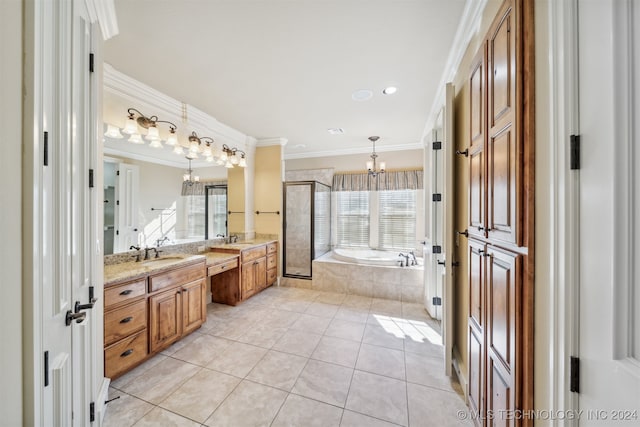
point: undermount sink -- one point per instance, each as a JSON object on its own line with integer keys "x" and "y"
{"x": 162, "y": 259}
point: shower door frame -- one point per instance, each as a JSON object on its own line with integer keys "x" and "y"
{"x": 312, "y": 211}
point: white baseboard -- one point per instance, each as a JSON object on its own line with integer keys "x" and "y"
{"x": 461, "y": 378}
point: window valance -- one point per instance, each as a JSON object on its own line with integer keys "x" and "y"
{"x": 398, "y": 180}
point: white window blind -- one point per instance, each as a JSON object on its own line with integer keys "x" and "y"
{"x": 397, "y": 219}
{"x": 194, "y": 207}
{"x": 322, "y": 225}
{"x": 352, "y": 222}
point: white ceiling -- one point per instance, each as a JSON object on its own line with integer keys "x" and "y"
{"x": 287, "y": 69}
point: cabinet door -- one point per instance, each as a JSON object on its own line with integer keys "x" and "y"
{"x": 503, "y": 296}
{"x": 261, "y": 273}
{"x": 476, "y": 283}
{"x": 477, "y": 162}
{"x": 193, "y": 305}
{"x": 502, "y": 149}
{"x": 476, "y": 325}
{"x": 165, "y": 319}
{"x": 248, "y": 275}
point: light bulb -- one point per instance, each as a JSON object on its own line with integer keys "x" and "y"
{"x": 370, "y": 165}
{"x": 135, "y": 138}
{"x": 130, "y": 127}
{"x": 382, "y": 166}
{"x": 228, "y": 165}
{"x": 178, "y": 150}
{"x": 113, "y": 132}
{"x": 173, "y": 138}
{"x": 223, "y": 156}
{"x": 186, "y": 177}
{"x": 234, "y": 159}
{"x": 209, "y": 159}
{"x": 191, "y": 155}
{"x": 207, "y": 152}
{"x": 243, "y": 162}
{"x": 155, "y": 144}
{"x": 152, "y": 134}
{"x": 196, "y": 178}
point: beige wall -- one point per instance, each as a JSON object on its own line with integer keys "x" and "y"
{"x": 461, "y": 177}
{"x": 407, "y": 159}
{"x": 11, "y": 212}
{"x": 235, "y": 200}
{"x": 268, "y": 189}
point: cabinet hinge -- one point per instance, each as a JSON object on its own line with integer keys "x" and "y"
{"x": 436, "y": 301}
{"x": 437, "y": 145}
{"x": 91, "y": 62}
{"x": 90, "y": 178}
{"x": 436, "y": 249}
{"x": 46, "y": 368}
{"x": 437, "y": 197}
{"x": 574, "y": 156}
{"x": 46, "y": 148}
{"x": 574, "y": 375}
{"x": 92, "y": 412}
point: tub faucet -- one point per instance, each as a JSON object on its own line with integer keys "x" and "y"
{"x": 414, "y": 261}
{"x": 406, "y": 262}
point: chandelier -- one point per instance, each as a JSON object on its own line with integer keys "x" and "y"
{"x": 136, "y": 119}
{"x": 371, "y": 164}
{"x": 189, "y": 178}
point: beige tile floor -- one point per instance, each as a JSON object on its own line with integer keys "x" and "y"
{"x": 295, "y": 357}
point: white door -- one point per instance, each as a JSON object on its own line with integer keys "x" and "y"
{"x": 609, "y": 283}
{"x": 127, "y": 190}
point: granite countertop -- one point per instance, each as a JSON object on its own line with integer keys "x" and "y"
{"x": 214, "y": 258}
{"x": 240, "y": 246}
{"x": 131, "y": 270}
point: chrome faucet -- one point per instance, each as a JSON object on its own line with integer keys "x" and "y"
{"x": 406, "y": 262}
{"x": 414, "y": 261}
{"x": 160, "y": 241}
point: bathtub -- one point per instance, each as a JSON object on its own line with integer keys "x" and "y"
{"x": 368, "y": 273}
{"x": 367, "y": 256}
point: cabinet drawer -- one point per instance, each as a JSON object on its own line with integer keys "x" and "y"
{"x": 272, "y": 261}
{"x": 254, "y": 253}
{"x": 272, "y": 275}
{"x": 272, "y": 248}
{"x": 176, "y": 277}
{"x": 125, "y": 320}
{"x": 219, "y": 268}
{"x": 122, "y": 293}
{"x": 119, "y": 357}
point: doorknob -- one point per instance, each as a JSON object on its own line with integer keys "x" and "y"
{"x": 465, "y": 233}
{"x": 71, "y": 316}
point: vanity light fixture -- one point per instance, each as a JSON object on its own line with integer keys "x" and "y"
{"x": 189, "y": 177}
{"x": 136, "y": 118}
{"x": 371, "y": 164}
{"x": 113, "y": 132}
{"x": 206, "y": 146}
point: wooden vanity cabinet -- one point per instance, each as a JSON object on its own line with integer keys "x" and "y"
{"x": 125, "y": 326}
{"x": 178, "y": 308}
{"x": 145, "y": 315}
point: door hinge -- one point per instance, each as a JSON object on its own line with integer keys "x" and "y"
{"x": 46, "y": 148}
{"x": 117, "y": 173}
{"x": 437, "y": 197}
{"x": 90, "y": 178}
{"x": 436, "y": 301}
{"x": 117, "y": 232}
{"x": 437, "y": 145}
{"x": 117, "y": 202}
{"x": 574, "y": 155}
{"x": 91, "y": 62}
{"x": 436, "y": 249}
{"x": 46, "y": 368}
{"x": 574, "y": 375}
{"x": 92, "y": 412}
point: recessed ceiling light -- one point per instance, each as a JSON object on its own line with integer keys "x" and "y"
{"x": 362, "y": 95}
{"x": 390, "y": 90}
{"x": 300, "y": 146}
{"x": 335, "y": 131}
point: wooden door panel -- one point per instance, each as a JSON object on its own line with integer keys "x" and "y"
{"x": 476, "y": 193}
{"x": 165, "y": 319}
{"x": 476, "y": 109}
{"x": 500, "y": 74}
{"x": 476, "y": 282}
{"x": 248, "y": 279}
{"x": 503, "y": 291}
{"x": 500, "y": 397}
{"x": 476, "y": 382}
{"x": 193, "y": 305}
{"x": 261, "y": 273}
{"x": 502, "y": 183}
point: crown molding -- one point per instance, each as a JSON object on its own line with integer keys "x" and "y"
{"x": 266, "y": 142}
{"x": 104, "y": 12}
{"x": 467, "y": 27}
{"x": 138, "y": 93}
{"x": 358, "y": 150}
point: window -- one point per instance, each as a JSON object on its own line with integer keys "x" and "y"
{"x": 397, "y": 219}
{"x": 217, "y": 221}
{"x": 352, "y": 222}
{"x": 377, "y": 219}
{"x": 194, "y": 206}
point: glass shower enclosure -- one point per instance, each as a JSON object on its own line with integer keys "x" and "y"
{"x": 307, "y": 226}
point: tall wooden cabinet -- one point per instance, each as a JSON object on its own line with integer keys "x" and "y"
{"x": 500, "y": 210}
